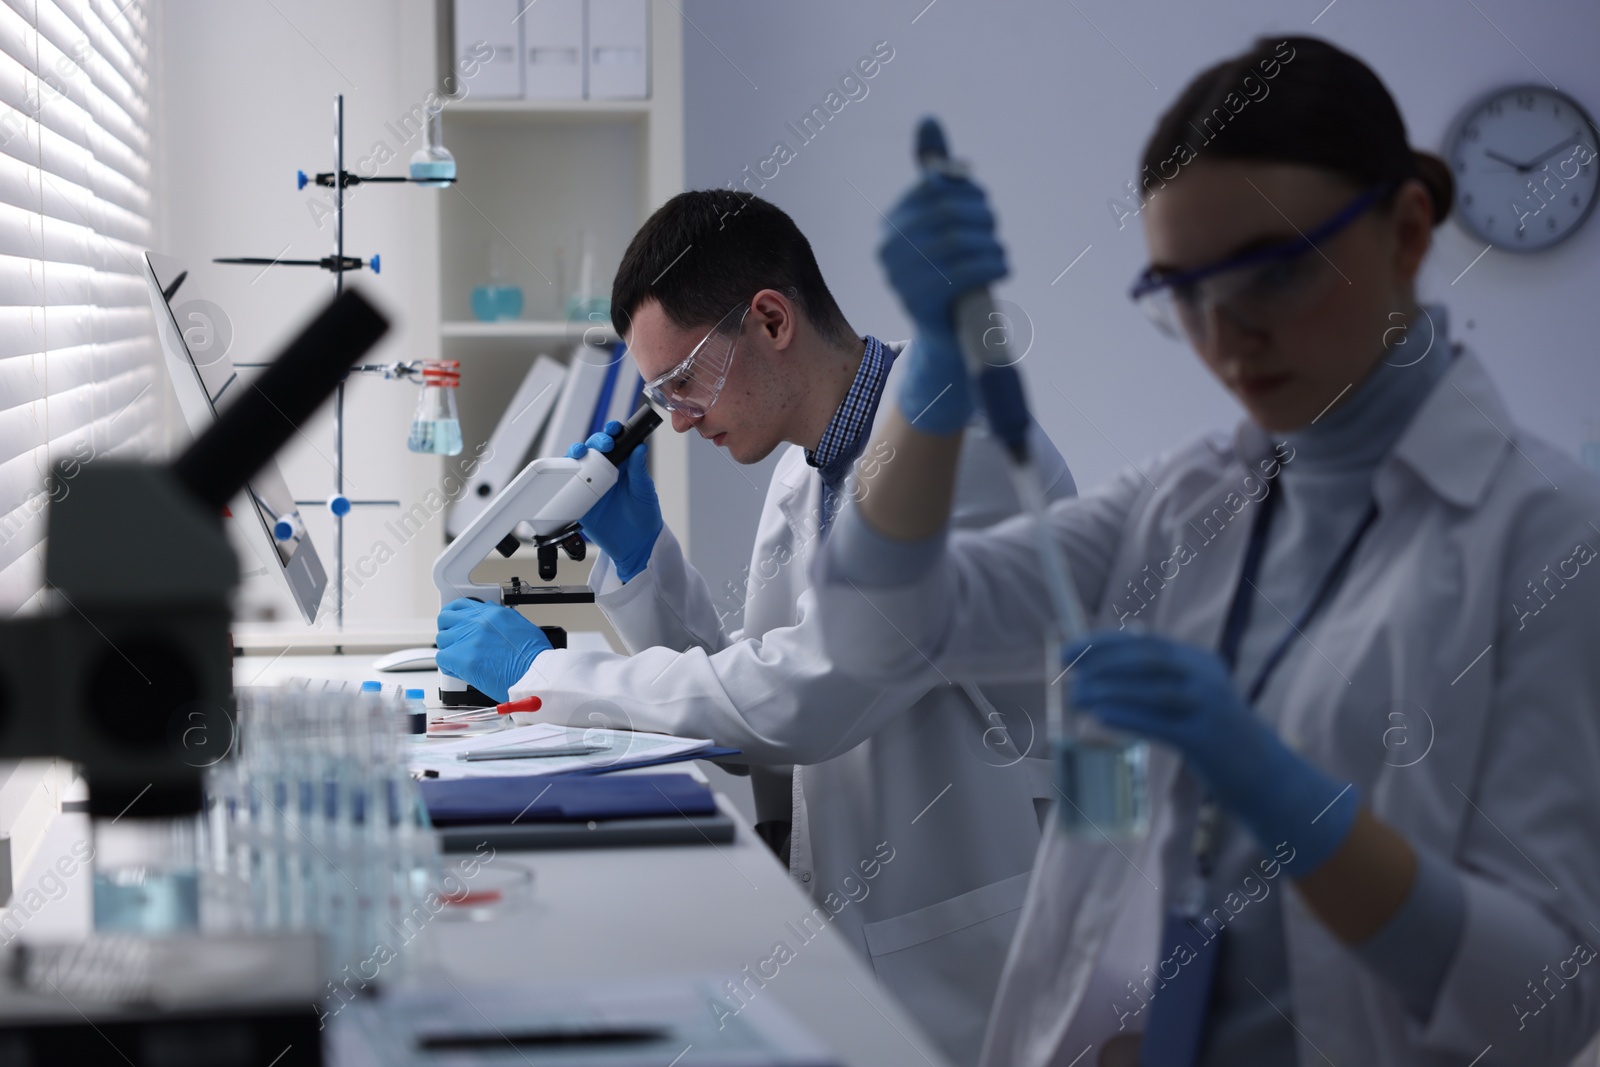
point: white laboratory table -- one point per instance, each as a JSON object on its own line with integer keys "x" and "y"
{"x": 611, "y": 914}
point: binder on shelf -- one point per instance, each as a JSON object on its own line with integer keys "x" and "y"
{"x": 618, "y": 52}
{"x": 614, "y": 392}
{"x": 489, "y": 37}
{"x": 580, "y": 395}
{"x": 552, "y": 50}
{"x": 513, "y": 438}
{"x": 627, "y": 392}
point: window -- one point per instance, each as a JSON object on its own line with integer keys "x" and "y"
{"x": 80, "y": 376}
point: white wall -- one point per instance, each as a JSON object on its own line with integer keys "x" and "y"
{"x": 245, "y": 99}
{"x": 1052, "y": 104}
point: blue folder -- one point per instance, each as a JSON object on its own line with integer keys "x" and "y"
{"x": 574, "y": 811}
{"x": 564, "y": 798}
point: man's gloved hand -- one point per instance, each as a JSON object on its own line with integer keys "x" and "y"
{"x": 939, "y": 243}
{"x": 627, "y": 520}
{"x": 489, "y": 645}
{"x": 1183, "y": 696}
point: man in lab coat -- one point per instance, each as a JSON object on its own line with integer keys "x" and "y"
{"x": 915, "y": 810}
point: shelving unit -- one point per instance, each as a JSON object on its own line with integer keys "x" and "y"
{"x": 582, "y": 108}
{"x": 532, "y": 175}
{"x": 522, "y": 329}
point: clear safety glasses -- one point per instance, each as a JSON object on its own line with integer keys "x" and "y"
{"x": 693, "y": 385}
{"x": 1258, "y": 290}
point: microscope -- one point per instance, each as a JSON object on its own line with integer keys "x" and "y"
{"x": 550, "y": 496}
{"x": 130, "y": 665}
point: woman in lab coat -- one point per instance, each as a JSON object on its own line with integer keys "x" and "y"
{"x": 1361, "y": 627}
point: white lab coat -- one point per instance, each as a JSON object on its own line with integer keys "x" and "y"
{"x": 948, "y": 781}
{"x": 1436, "y": 621}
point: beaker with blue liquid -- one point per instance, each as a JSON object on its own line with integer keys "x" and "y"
{"x": 1101, "y": 775}
{"x": 500, "y": 300}
{"x": 147, "y": 874}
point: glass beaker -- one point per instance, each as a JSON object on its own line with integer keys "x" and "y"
{"x": 436, "y": 427}
{"x": 147, "y": 874}
{"x": 1101, "y": 775}
{"x": 582, "y": 305}
{"x": 432, "y": 165}
{"x": 500, "y": 299}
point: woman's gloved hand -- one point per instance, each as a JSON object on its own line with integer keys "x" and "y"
{"x": 627, "y": 520}
{"x": 939, "y": 243}
{"x": 1183, "y": 696}
{"x": 488, "y": 645}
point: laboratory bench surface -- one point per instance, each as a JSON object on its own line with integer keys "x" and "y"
{"x": 610, "y": 915}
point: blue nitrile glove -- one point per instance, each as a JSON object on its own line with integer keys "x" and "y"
{"x": 1183, "y": 696}
{"x": 627, "y": 520}
{"x": 939, "y": 243}
{"x": 489, "y": 645}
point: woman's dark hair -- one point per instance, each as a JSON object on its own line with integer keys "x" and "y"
{"x": 705, "y": 250}
{"x": 1294, "y": 100}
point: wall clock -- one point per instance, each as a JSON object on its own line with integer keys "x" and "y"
{"x": 1526, "y": 161}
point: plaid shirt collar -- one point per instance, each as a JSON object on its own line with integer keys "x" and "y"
{"x": 845, "y": 436}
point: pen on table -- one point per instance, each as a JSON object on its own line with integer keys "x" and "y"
{"x": 512, "y": 752}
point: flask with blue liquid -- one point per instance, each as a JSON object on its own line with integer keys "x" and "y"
{"x": 432, "y": 165}
{"x": 436, "y": 427}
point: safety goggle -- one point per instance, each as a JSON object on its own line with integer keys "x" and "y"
{"x": 693, "y": 385}
{"x": 1258, "y": 290}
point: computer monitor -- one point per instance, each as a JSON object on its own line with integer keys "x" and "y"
{"x": 203, "y": 382}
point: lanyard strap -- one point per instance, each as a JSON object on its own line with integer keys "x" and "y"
{"x": 1238, "y": 621}
{"x": 1243, "y": 595}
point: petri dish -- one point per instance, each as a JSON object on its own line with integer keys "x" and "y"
{"x": 495, "y": 890}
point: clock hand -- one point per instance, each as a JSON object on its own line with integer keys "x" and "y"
{"x": 1570, "y": 139}
{"x": 1492, "y": 154}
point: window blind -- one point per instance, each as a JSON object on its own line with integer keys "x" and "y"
{"x": 79, "y": 367}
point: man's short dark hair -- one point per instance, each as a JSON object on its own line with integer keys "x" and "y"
{"x": 704, "y": 251}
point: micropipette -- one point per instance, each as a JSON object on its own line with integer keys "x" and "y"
{"x": 1004, "y": 402}
{"x": 1104, "y": 781}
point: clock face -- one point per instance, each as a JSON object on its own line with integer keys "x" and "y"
{"x": 1526, "y": 161}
